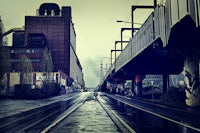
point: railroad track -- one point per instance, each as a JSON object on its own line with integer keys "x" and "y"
{"x": 49, "y": 117}
{"x": 172, "y": 119}
{"x": 121, "y": 125}
{"x": 124, "y": 127}
{"x": 35, "y": 119}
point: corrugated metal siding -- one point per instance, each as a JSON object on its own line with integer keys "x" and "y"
{"x": 159, "y": 23}
{"x": 181, "y": 8}
{"x": 198, "y": 12}
{"x": 124, "y": 57}
{"x": 174, "y": 11}
{"x": 72, "y": 36}
{"x": 165, "y": 17}
{"x": 192, "y": 9}
{"x": 141, "y": 40}
{"x": 75, "y": 71}
{"x": 143, "y": 37}
{"x": 168, "y": 19}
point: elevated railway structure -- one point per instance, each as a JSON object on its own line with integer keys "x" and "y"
{"x": 168, "y": 42}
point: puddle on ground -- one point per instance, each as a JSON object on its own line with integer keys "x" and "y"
{"x": 89, "y": 118}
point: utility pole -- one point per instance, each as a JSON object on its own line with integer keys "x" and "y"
{"x": 101, "y": 72}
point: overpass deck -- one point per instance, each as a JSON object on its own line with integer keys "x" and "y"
{"x": 154, "y": 48}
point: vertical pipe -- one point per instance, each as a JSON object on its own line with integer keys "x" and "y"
{"x": 8, "y": 83}
{"x": 111, "y": 57}
{"x": 138, "y": 85}
{"x": 198, "y": 11}
{"x": 34, "y": 78}
{"x": 165, "y": 83}
{"x": 121, "y": 38}
{"x": 132, "y": 22}
{"x": 155, "y": 3}
{"x": 115, "y": 51}
{"x": 133, "y": 86}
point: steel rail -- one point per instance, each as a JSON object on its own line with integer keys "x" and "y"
{"x": 111, "y": 114}
{"x": 153, "y": 112}
{"x": 66, "y": 114}
{"x": 26, "y": 120}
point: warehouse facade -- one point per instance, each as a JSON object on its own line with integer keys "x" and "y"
{"x": 50, "y": 32}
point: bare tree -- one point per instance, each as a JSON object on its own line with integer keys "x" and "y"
{"x": 47, "y": 63}
{"x": 4, "y": 56}
{"x": 26, "y": 70}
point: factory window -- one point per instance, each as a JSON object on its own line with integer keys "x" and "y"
{"x": 22, "y": 60}
{"x": 12, "y": 51}
{"x": 16, "y": 51}
{"x": 35, "y": 51}
{"x": 35, "y": 60}
{"x": 28, "y": 51}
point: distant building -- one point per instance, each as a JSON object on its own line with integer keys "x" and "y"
{"x": 50, "y": 32}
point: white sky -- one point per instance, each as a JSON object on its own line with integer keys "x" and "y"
{"x": 95, "y": 25}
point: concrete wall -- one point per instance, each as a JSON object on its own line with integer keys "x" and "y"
{"x": 38, "y": 78}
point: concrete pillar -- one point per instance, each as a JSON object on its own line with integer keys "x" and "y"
{"x": 21, "y": 78}
{"x": 109, "y": 87}
{"x": 191, "y": 73}
{"x": 165, "y": 83}
{"x": 133, "y": 86}
{"x": 138, "y": 85}
{"x": 122, "y": 89}
{"x": 34, "y": 78}
{"x": 8, "y": 83}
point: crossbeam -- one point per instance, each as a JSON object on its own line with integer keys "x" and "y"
{"x": 13, "y": 30}
{"x": 113, "y": 50}
{"x": 142, "y": 7}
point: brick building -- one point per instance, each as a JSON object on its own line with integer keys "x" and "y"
{"x": 52, "y": 29}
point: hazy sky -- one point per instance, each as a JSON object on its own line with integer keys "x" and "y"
{"x": 95, "y": 25}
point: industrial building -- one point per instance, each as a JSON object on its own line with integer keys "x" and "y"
{"x": 48, "y": 36}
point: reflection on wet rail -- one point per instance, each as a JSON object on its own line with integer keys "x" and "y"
{"x": 69, "y": 111}
{"x": 107, "y": 113}
{"x": 151, "y": 117}
{"x": 120, "y": 123}
{"x": 89, "y": 116}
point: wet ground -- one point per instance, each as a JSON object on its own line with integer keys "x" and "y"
{"x": 10, "y": 107}
{"x": 90, "y": 117}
